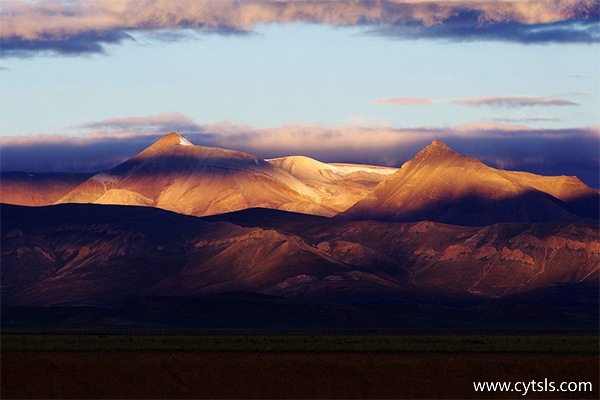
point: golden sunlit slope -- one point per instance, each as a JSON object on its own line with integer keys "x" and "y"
{"x": 340, "y": 185}
{"x": 175, "y": 175}
{"x": 579, "y": 198}
{"x": 37, "y": 189}
{"x": 441, "y": 185}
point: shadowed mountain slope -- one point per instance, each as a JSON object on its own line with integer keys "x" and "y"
{"x": 495, "y": 260}
{"x": 441, "y": 185}
{"x": 578, "y": 198}
{"x": 92, "y": 254}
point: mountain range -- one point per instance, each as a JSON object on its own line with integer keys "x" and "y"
{"x": 174, "y": 175}
{"x": 438, "y": 184}
{"x": 178, "y": 229}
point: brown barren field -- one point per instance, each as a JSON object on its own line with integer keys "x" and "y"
{"x": 285, "y": 375}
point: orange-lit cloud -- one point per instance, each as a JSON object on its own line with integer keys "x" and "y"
{"x": 86, "y": 26}
{"x": 405, "y": 101}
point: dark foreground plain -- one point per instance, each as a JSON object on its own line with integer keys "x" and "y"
{"x": 584, "y": 343}
{"x": 297, "y": 366}
{"x": 285, "y": 375}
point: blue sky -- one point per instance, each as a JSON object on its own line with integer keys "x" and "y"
{"x": 282, "y": 69}
{"x": 299, "y": 74}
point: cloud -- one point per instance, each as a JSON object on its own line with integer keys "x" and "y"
{"x": 405, "y": 101}
{"x": 155, "y": 123}
{"x": 591, "y": 77}
{"x": 491, "y": 101}
{"x": 514, "y": 101}
{"x": 84, "y": 27}
{"x": 537, "y": 118}
{"x": 80, "y": 43}
{"x": 104, "y": 144}
{"x": 468, "y": 30}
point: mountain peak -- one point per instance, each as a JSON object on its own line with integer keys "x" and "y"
{"x": 171, "y": 139}
{"x": 436, "y": 150}
{"x": 439, "y": 144}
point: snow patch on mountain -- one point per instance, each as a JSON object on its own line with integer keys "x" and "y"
{"x": 184, "y": 142}
{"x": 347, "y": 169}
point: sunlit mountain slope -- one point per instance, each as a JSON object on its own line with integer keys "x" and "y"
{"x": 441, "y": 185}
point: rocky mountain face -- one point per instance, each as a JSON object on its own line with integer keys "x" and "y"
{"x": 91, "y": 254}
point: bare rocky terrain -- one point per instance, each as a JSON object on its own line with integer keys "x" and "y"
{"x": 107, "y": 256}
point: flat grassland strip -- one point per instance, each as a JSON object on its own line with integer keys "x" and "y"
{"x": 300, "y": 343}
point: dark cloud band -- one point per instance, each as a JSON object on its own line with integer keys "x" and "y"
{"x": 561, "y": 32}
{"x": 491, "y": 101}
{"x": 85, "y": 27}
{"x": 79, "y": 44}
{"x": 567, "y": 151}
